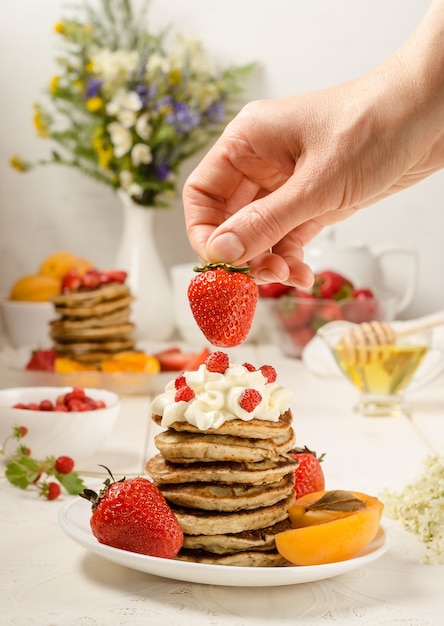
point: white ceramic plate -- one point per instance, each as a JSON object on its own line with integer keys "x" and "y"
{"x": 74, "y": 521}
{"x": 122, "y": 383}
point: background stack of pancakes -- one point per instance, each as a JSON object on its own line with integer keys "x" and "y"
{"x": 230, "y": 488}
{"x": 93, "y": 324}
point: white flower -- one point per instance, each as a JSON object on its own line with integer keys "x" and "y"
{"x": 126, "y": 178}
{"x": 157, "y": 63}
{"x": 143, "y": 127}
{"x": 141, "y": 153}
{"x": 124, "y": 106}
{"x": 420, "y": 508}
{"x": 114, "y": 65}
{"x": 120, "y": 137}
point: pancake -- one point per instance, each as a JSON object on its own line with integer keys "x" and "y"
{"x": 261, "y": 539}
{"x": 80, "y": 310}
{"x": 113, "y": 331}
{"x": 228, "y": 498}
{"x": 200, "y": 522}
{"x": 189, "y": 448}
{"x": 73, "y": 323}
{"x": 248, "y": 558}
{"x": 252, "y": 429}
{"x": 91, "y": 297}
{"x": 164, "y": 472}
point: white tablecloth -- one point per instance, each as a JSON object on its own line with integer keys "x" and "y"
{"x": 46, "y": 579}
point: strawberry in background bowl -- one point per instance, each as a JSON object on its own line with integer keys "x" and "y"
{"x": 296, "y": 315}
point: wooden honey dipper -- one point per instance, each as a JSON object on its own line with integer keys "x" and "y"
{"x": 378, "y": 336}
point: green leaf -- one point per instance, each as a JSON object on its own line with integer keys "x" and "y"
{"x": 22, "y": 471}
{"x": 71, "y": 482}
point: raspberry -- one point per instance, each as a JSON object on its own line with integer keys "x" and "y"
{"x": 249, "y": 399}
{"x": 185, "y": 394}
{"x": 217, "y": 362}
{"x": 64, "y": 464}
{"x": 269, "y": 373}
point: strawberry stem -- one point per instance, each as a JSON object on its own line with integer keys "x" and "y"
{"x": 226, "y": 266}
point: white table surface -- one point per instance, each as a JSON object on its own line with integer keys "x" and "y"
{"x": 46, "y": 579}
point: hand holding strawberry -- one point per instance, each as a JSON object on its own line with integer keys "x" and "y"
{"x": 132, "y": 514}
{"x": 223, "y": 301}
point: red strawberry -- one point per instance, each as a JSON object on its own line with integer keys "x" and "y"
{"x": 42, "y": 360}
{"x": 184, "y": 393}
{"x": 308, "y": 474}
{"x": 273, "y": 290}
{"x": 72, "y": 281}
{"x": 223, "y": 301}
{"x": 132, "y": 514}
{"x": 174, "y": 360}
{"x": 64, "y": 464}
{"x": 50, "y": 490}
{"x": 249, "y": 399}
{"x": 217, "y": 362}
{"x": 269, "y": 373}
{"x": 329, "y": 284}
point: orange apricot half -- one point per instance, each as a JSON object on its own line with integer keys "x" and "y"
{"x": 329, "y": 526}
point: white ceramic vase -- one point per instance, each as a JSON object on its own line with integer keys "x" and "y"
{"x": 152, "y": 310}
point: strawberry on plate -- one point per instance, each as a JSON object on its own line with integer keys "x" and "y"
{"x": 308, "y": 475}
{"x": 132, "y": 514}
{"x": 175, "y": 360}
{"x": 223, "y": 301}
{"x": 42, "y": 360}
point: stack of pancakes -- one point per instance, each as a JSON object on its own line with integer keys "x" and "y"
{"x": 93, "y": 324}
{"x": 230, "y": 488}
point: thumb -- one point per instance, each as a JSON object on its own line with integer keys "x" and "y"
{"x": 257, "y": 227}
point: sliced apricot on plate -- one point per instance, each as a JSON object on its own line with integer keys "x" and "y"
{"x": 329, "y": 526}
{"x": 63, "y": 365}
{"x": 134, "y": 362}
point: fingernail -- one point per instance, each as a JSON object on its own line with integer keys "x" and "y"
{"x": 226, "y": 247}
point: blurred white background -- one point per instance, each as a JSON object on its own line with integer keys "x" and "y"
{"x": 299, "y": 46}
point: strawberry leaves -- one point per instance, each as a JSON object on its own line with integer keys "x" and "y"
{"x": 23, "y": 471}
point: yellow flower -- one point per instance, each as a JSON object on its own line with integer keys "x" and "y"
{"x": 60, "y": 28}
{"x": 54, "y": 83}
{"x": 174, "y": 77}
{"x": 105, "y": 156}
{"x": 18, "y": 164}
{"x": 40, "y": 123}
{"x": 94, "y": 104}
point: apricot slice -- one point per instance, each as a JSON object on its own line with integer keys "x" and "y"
{"x": 136, "y": 362}
{"x": 329, "y": 526}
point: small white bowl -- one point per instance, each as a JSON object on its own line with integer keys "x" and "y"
{"x": 26, "y": 323}
{"x": 53, "y": 433}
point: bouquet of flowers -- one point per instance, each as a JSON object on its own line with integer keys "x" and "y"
{"x": 129, "y": 106}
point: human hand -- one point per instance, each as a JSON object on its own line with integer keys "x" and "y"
{"x": 284, "y": 169}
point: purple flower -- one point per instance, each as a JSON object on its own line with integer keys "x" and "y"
{"x": 145, "y": 93}
{"x": 183, "y": 118}
{"x": 216, "y": 112}
{"x": 162, "y": 171}
{"x": 93, "y": 88}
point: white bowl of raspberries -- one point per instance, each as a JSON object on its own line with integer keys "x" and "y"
{"x": 73, "y": 421}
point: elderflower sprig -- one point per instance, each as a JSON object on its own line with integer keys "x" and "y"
{"x": 127, "y": 106}
{"x": 420, "y": 508}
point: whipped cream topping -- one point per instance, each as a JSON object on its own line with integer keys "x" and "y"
{"x": 217, "y": 398}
